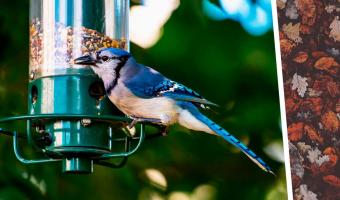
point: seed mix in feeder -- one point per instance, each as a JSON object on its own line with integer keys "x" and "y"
{"x": 67, "y": 43}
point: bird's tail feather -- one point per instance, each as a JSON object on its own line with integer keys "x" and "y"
{"x": 230, "y": 138}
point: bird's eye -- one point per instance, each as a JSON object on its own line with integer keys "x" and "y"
{"x": 105, "y": 58}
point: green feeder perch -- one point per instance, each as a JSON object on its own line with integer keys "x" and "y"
{"x": 70, "y": 119}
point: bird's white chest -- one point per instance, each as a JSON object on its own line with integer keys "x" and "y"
{"x": 161, "y": 108}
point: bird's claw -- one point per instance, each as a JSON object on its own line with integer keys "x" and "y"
{"x": 133, "y": 123}
{"x": 136, "y": 120}
{"x": 164, "y": 130}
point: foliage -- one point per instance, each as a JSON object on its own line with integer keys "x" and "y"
{"x": 311, "y": 74}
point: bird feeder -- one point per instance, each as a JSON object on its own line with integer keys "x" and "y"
{"x": 69, "y": 117}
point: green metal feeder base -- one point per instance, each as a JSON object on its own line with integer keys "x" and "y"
{"x": 78, "y": 160}
{"x": 81, "y": 94}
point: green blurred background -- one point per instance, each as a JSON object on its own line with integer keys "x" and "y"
{"x": 219, "y": 60}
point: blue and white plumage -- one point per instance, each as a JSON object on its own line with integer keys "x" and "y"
{"x": 147, "y": 96}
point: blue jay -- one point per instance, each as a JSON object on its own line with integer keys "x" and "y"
{"x": 145, "y": 95}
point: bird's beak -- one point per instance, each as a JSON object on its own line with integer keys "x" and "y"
{"x": 85, "y": 60}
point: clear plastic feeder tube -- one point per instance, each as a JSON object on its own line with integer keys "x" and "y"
{"x": 62, "y": 30}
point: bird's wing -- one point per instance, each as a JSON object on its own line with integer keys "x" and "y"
{"x": 180, "y": 92}
{"x": 149, "y": 83}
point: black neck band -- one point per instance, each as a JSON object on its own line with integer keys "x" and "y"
{"x": 120, "y": 65}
